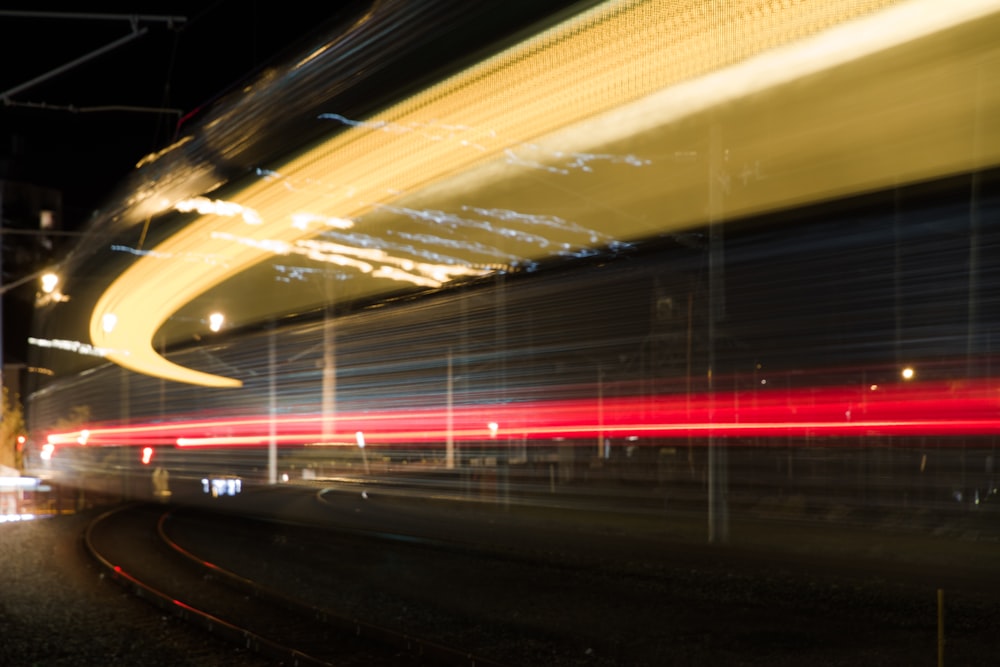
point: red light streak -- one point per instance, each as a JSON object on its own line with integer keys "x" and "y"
{"x": 942, "y": 409}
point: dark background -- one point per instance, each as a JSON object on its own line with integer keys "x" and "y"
{"x": 74, "y": 123}
{"x": 80, "y": 130}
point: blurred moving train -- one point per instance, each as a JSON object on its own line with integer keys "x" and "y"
{"x": 662, "y": 254}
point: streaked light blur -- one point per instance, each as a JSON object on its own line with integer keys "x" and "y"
{"x": 570, "y": 97}
{"x": 652, "y": 247}
{"x": 943, "y": 409}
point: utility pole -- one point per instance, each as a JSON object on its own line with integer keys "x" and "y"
{"x": 718, "y": 466}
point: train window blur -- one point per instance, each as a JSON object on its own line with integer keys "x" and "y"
{"x": 691, "y": 275}
{"x": 708, "y": 289}
{"x": 221, "y": 486}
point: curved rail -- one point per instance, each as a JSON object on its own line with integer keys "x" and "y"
{"x": 426, "y": 649}
{"x": 326, "y": 630}
{"x": 187, "y": 612}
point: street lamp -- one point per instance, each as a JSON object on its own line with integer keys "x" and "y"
{"x": 49, "y": 282}
{"x": 50, "y": 290}
{"x": 47, "y": 276}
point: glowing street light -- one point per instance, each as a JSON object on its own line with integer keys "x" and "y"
{"x": 48, "y": 278}
{"x": 49, "y": 282}
{"x": 908, "y": 373}
{"x": 215, "y": 321}
{"x": 49, "y": 290}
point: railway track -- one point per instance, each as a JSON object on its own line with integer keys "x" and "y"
{"x": 136, "y": 546}
{"x": 375, "y": 581}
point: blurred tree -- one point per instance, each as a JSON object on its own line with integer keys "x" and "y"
{"x": 11, "y": 427}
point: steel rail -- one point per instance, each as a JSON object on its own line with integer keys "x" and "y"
{"x": 423, "y": 650}
{"x": 186, "y": 612}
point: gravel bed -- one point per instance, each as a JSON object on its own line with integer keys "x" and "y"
{"x": 56, "y": 609}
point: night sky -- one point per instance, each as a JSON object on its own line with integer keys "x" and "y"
{"x": 81, "y": 130}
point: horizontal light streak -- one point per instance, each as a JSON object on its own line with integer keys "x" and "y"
{"x": 18, "y": 483}
{"x": 69, "y": 345}
{"x": 942, "y": 409}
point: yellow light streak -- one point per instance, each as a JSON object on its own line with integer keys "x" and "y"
{"x": 624, "y": 71}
